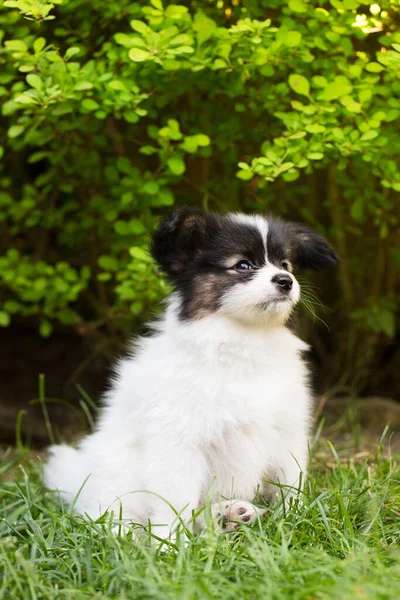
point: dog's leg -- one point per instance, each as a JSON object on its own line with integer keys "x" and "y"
{"x": 290, "y": 473}
{"x": 228, "y": 515}
{"x": 179, "y": 478}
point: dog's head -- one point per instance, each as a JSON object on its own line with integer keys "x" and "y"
{"x": 239, "y": 265}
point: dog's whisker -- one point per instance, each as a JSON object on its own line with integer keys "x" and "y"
{"x": 315, "y": 302}
{"x": 309, "y": 308}
{"x": 313, "y": 298}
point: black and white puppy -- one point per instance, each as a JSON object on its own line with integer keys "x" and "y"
{"x": 217, "y": 400}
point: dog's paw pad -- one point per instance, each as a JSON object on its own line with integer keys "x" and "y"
{"x": 230, "y": 515}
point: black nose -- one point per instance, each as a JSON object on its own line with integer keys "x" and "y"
{"x": 284, "y": 281}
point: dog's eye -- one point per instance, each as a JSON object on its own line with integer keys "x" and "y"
{"x": 243, "y": 265}
{"x": 285, "y": 265}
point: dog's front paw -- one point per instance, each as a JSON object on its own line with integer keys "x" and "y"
{"x": 230, "y": 514}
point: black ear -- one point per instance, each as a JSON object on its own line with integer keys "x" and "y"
{"x": 179, "y": 238}
{"x": 310, "y": 249}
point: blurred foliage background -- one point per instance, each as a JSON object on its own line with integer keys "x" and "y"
{"x": 112, "y": 111}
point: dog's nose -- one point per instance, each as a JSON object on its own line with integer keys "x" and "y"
{"x": 284, "y": 281}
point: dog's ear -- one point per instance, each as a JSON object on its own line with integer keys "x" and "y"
{"x": 179, "y": 238}
{"x": 310, "y": 249}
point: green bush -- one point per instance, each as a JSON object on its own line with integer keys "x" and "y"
{"x": 115, "y": 110}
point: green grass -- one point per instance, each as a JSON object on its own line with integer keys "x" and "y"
{"x": 342, "y": 542}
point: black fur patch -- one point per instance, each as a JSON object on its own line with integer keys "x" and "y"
{"x": 278, "y": 242}
{"x": 195, "y": 250}
{"x": 310, "y": 249}
{"x": 299, "y": 244}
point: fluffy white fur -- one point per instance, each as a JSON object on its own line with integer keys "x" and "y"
{"x": 220, "y": 403}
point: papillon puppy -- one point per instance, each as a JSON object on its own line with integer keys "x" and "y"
{"x": 216, "y": 401}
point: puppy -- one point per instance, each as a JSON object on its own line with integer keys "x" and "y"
{"x": 216, "y": 402}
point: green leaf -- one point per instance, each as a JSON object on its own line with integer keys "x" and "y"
{"x": 124, "y": 40}
{"x": 171, "y": 132}
{"x": 373, "y": 67}
{"x": 379, "y": 115}
{"x": 204, "y": 27}
{"x": 297, "y": 135}
{"x": 12, "y": 306}
{"x": 299, "y": 84}
{"x": 173, "y": 124}
{"x": 320, "y": 81}
{"x": 4, "y": 319}
{"x": 357, "y": 209}
{"x": 340, "y": 86}
{"x": 89, "y": 104}
{"x": 71, "y": 52}
{"x": 139, "y": 253}
{"x": 83, "y": 85}
{"x": 176, "y": 165}
{"x": 175, "y": 11}
{"x": 284, "y": 167}
{"x": 245, "y": 175}
{"x": 26, "y": 98}
{"x": 136, "y": 307}
{"x": 219, "y": 64}
{"x": 138, "y": 55}
{"x": 350, "y": 104}
{"x": 369, "y": 135}
{"x": 190, "y": 144}
{"x": 108, "y": 263}
{"x": 15, "y": 131}
{"x": 203, "y": 140}
{"x": 141, "y": 27}
{"x": 148, "y": 150}
{"x": 39, "y": 44}
{"x": 131, "y": 117}
{"x": 136, "y": 226}
{"x": 16, "y": 45}
{"x": 182, "y": 39}
{"x": 298, "y": 6}
{"x": 151, "y": 187}
{"x": 291, "y": 175}
{"x": 386, "y": 322}
{"x": 392, "y": 114}
{"x": 34, "y": 81}
{"x": 164, "y": 198}
{"x": 272, "y": 156}
{"x": 122, "y": 228}
{"x": 303, "y": 163}
{"x": 45, "y": 328}
{"x": 6, "y": 77}
{"x": 314, "y": 128}
{"x": 293, "y": 38}
{"x": 365, "y": 95}
{"x": 350, "y": 4}
{"x": 124, "y": 165}
{"x": 315, "y": 155}
{"x": 117, "y": 85}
